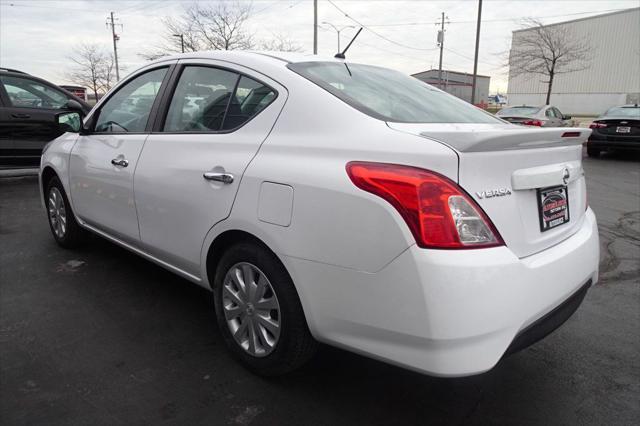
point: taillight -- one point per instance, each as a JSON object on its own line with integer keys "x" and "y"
{"x": 532, "y": 123}
{"x": 597, "y": 125}
{"x": 438, "y": 212}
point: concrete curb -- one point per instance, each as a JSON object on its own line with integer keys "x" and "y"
{"x": 13, "y": 173}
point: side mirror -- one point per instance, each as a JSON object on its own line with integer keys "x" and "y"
{"x": 69, "y": 121}
{"x": 75, "y": 106}
{"x": 566, "y": 117}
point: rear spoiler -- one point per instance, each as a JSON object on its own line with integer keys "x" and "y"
{"x": 474, "y": 137}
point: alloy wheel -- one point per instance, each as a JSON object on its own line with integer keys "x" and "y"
{"x": 57, "y": 212}
{"x": 251, "y": 309}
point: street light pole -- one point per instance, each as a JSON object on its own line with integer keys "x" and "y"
{"x": 338, "y": 30}
{"x": 441, "y": 41}
{"x": 475, "y": 59}
{"x": 315, "y": 27}
{"x": 181, "y": 40}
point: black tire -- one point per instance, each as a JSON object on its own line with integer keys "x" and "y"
{"x": 295, "y": 344}
{"x": 73, "y": 235}
{"x": 593, "y": 152}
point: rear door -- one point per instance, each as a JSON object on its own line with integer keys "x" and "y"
{"x": 103, "y": 162}
{"x": 215, "y": 118}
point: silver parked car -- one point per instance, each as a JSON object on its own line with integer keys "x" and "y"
{"x": 541, "y": 116}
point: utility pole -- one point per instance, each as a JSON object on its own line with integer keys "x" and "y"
{"x": 181, "y": 41}
{"x": 441, "y": 43}
{"x": 475, "y": 59}
{"x": 111, "y": 23}
{"x": 315, "y": 27}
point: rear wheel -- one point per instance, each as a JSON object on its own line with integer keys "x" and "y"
{"x": 62, "y": 222}
{"x": 593, "y": 152}
{"x": 259, "y": 312}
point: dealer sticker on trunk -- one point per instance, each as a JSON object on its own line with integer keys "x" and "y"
{"x": 553, "y": 204}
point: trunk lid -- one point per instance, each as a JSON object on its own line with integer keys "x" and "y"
{"x": 618, "y": 127}
{"x": 504, "y": 167}
{"x": 518, "y": 119}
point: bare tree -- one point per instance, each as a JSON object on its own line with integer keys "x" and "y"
{"x": 93, "y": 68}
{"x": 280, "y": 43}
{"x": 548, "y": 51}
{"x": 218, "y": 26}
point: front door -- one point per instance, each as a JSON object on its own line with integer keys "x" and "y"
{"x": 191, "y": 166}
{"x": 103, "y": 162}
{"x": 27, "y": 116}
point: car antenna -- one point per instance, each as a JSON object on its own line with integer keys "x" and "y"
{"x": 340, "y": 55}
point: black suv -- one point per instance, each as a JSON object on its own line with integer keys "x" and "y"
{"x": 28, "y": 110}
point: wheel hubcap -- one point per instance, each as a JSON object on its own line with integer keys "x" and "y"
{"x": 251, "y": 309}
{"x": 57, "y": 212}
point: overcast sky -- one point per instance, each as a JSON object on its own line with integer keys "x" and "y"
{"x": 37, "y": 36}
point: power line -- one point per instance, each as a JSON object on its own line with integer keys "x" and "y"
{"x": 470, "y": 58}
{"x": 376, "y": 33}
{"x": 401, "y": 24}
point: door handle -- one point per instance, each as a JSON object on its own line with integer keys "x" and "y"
{"x": 20, "y": 115}
{"x": 121, "y": 162}
{"x": 219, "y": 177}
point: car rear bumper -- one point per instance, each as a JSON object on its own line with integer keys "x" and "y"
{"x": 449, "y": 312}
{"x": 605, "y": 142}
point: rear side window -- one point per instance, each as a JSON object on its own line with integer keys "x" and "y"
{"x": 250, "y": 98}
{"x": 210, "y": 99}
{"x": 200, "y": 100}
{"x": 390, "y": 95}
{"x": 27, "y": 93}
{"x": 521, "y": 111}
{"x": 630, "y": 112}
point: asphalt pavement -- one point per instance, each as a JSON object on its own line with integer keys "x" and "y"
{"x": 99, "y": 336}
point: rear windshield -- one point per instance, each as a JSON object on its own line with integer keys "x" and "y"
{"x": 389, "y": 95}
{"x": 631, "y": 112}
{"x": 521, "y": 111}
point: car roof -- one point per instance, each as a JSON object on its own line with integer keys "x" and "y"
{"x": 11, "y": 70}
{"x": 527, "y": 106}
{"x": 244, "y": 56}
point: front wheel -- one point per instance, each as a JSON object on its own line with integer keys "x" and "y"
{"x": 259, "y": 312}
{"x": 62, "y": 222}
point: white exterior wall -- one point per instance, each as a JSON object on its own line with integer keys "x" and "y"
{"x": 613, "y": 76}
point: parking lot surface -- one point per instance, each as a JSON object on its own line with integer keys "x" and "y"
{"x": 100, "y": 336}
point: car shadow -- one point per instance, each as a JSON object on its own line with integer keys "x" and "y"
{"x": 352, "y": 389}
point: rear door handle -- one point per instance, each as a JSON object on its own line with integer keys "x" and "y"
{"x": 218, "y": 177}
{"x": 121, "y": 162}
{"x": 20, "y": 115}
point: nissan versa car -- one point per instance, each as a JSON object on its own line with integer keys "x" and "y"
{"x": 329, "y": 201}
{"x": 540, "y": 116}
{"x": 616, "y": 129}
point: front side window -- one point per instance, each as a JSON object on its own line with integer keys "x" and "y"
{"x": 129, "y": 108}
{"x": 27, "y": 93}
{"x": 549, "y": 113}
{"x": 390, "y": 95}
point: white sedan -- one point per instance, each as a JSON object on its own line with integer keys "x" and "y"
{"x": 329, "y": 201}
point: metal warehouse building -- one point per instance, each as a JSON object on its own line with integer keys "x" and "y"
{"x": 613, "y": 77}
{"x": 457, "y": 83}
